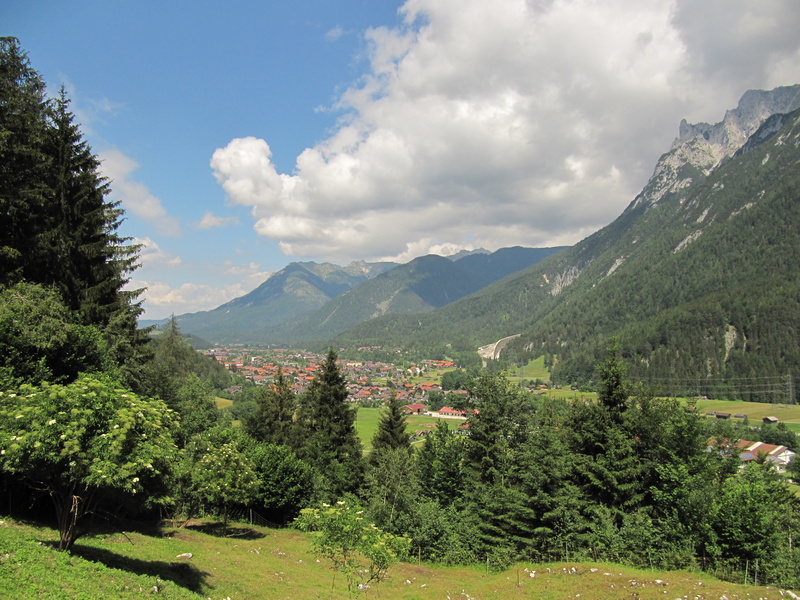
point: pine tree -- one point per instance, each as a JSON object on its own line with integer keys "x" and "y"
{"x": 327, "y": 433}
{"x": 391, "y": 434}
{"x": 273, "y": 420}
{"x": 23, "y": 162}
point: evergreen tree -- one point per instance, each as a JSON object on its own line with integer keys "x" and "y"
{"x": 84, "y": 256}
{"x": 57, "y": 229}
{"x": 23, "y": 162}
{"x": 391, "y": 434}
{"x": 499, "y": 426}
{"x": 440, "y": 468}
{"x": 326, "y": 432}
{"x": 273, "y": 420}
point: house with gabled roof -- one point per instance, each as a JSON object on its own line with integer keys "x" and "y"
{"x": 780, "y": 456}
{"x": 748, "y": 451}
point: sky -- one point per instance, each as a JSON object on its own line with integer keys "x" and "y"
{"x": 242, "y": 136}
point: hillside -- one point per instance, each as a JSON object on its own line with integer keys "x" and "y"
{"x": 696, "y": 277}
{"x": 262, "y": 563}
{"x": 422, "y": 285}
{"x": 311, "y": 301}
{"x": 298, "y": 288}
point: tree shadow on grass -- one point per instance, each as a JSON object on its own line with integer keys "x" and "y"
{"x": 183, "y": 574}
{"x": 231, "y": 530}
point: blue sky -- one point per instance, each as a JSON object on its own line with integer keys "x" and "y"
{"x": 244, "y": 136}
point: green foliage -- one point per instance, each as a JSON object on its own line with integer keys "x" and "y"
{"x": 285, "y": 483}
{"x": 272, "y": 421}
{"x": 392, "y": 489}
{"x": 40, "y": 340}
{"x": 196, "y": 407}
{"x": 79, "y": 440}
{"x": 456, "y": 380}
{"x": 439, "y": 464}
{"x": 391, "y": 434}
{"x": 358, "y": 550}
{"x": 326, "y": 435}
{"x": 224, "y": 477}
{"x": 58, "y": 230}
{"x": 184, "y": 379}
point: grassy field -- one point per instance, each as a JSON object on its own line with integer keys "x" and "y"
{"x": 255, "y": 564}
{"x": 222, "y": 403}
{"x": 755, "y": 411}
{"x": 368, "y": 419}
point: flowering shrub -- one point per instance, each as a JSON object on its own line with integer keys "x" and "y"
{"x": 73, "y": 441}
{"x": 357, "y": 549}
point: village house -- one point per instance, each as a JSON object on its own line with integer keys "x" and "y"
{"x": 780, "y": 456}
{"x": 748, "y": 451}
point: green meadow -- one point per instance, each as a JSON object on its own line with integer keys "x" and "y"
{"x": 256, "y": 563}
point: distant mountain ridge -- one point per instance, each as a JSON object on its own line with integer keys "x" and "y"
{"x": 424, "y": 284}
{"x": 298, "y": 288}
{"x": 697, "y": 278}
{"x": 312, "y": 301}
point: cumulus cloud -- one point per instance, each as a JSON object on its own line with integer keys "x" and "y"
{"x": 511, "y": 122}
{"x": 135, "y": 196}
{"x": 152, "y": 255}
{"x": 211, "y": 221}
{"x": 162, "y": 299}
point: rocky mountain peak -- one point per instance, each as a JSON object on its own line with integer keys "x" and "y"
{"x": 701, "y": 147}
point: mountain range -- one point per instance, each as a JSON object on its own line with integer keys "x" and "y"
{"x": 697, "y": 279}
{"x": 308, "y": 301}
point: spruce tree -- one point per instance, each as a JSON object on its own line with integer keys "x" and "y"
{"x": 23, "y": 162}
{"x": 83, "y": 254}
{"x": 273, "y": 420}
{"x": 327, "y": 433}
{"x": 391, "y": 434}
{"x": 56, "y": 227}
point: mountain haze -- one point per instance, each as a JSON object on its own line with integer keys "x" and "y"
{"x": 423, "y": 284}
{"x": 697, "y": 278}
{"x": 311, "y": 301}
{"x": 298, "y": 288}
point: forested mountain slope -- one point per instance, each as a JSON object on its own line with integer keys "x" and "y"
{"x": 425, "y": 283}
{"x": 298, "y": 288}
{"x": 696, "y": 278}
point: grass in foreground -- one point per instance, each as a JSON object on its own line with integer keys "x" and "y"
{"x": 256, "y": 563}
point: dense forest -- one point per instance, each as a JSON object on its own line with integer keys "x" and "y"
{"x": 100, "y": 421}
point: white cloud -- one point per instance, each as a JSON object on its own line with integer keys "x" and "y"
{"x": 152, "y": 255}
{"x": 334, "y": 34}
{"x": 164, "y": 297}
{"x": 161, "y": 299}
{"x": 135, "y": 196}
{"x": 210, "y": 221}
{"x": 511, "y": 122}
{"x": 249, "y": 275}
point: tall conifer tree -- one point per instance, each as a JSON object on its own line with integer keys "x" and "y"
{"x": 23, "y": 162}
{"x": 56, "y": 226}
{"x": 327, "y": 433}
{"x": 391, "y": 434}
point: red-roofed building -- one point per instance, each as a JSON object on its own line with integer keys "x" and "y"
{"x": 414, "y": 409}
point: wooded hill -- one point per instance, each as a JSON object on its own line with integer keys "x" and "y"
{"x": 697, "y": 278}
{"x": 311, "y": 301}
{"x": 295, "y": 290}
